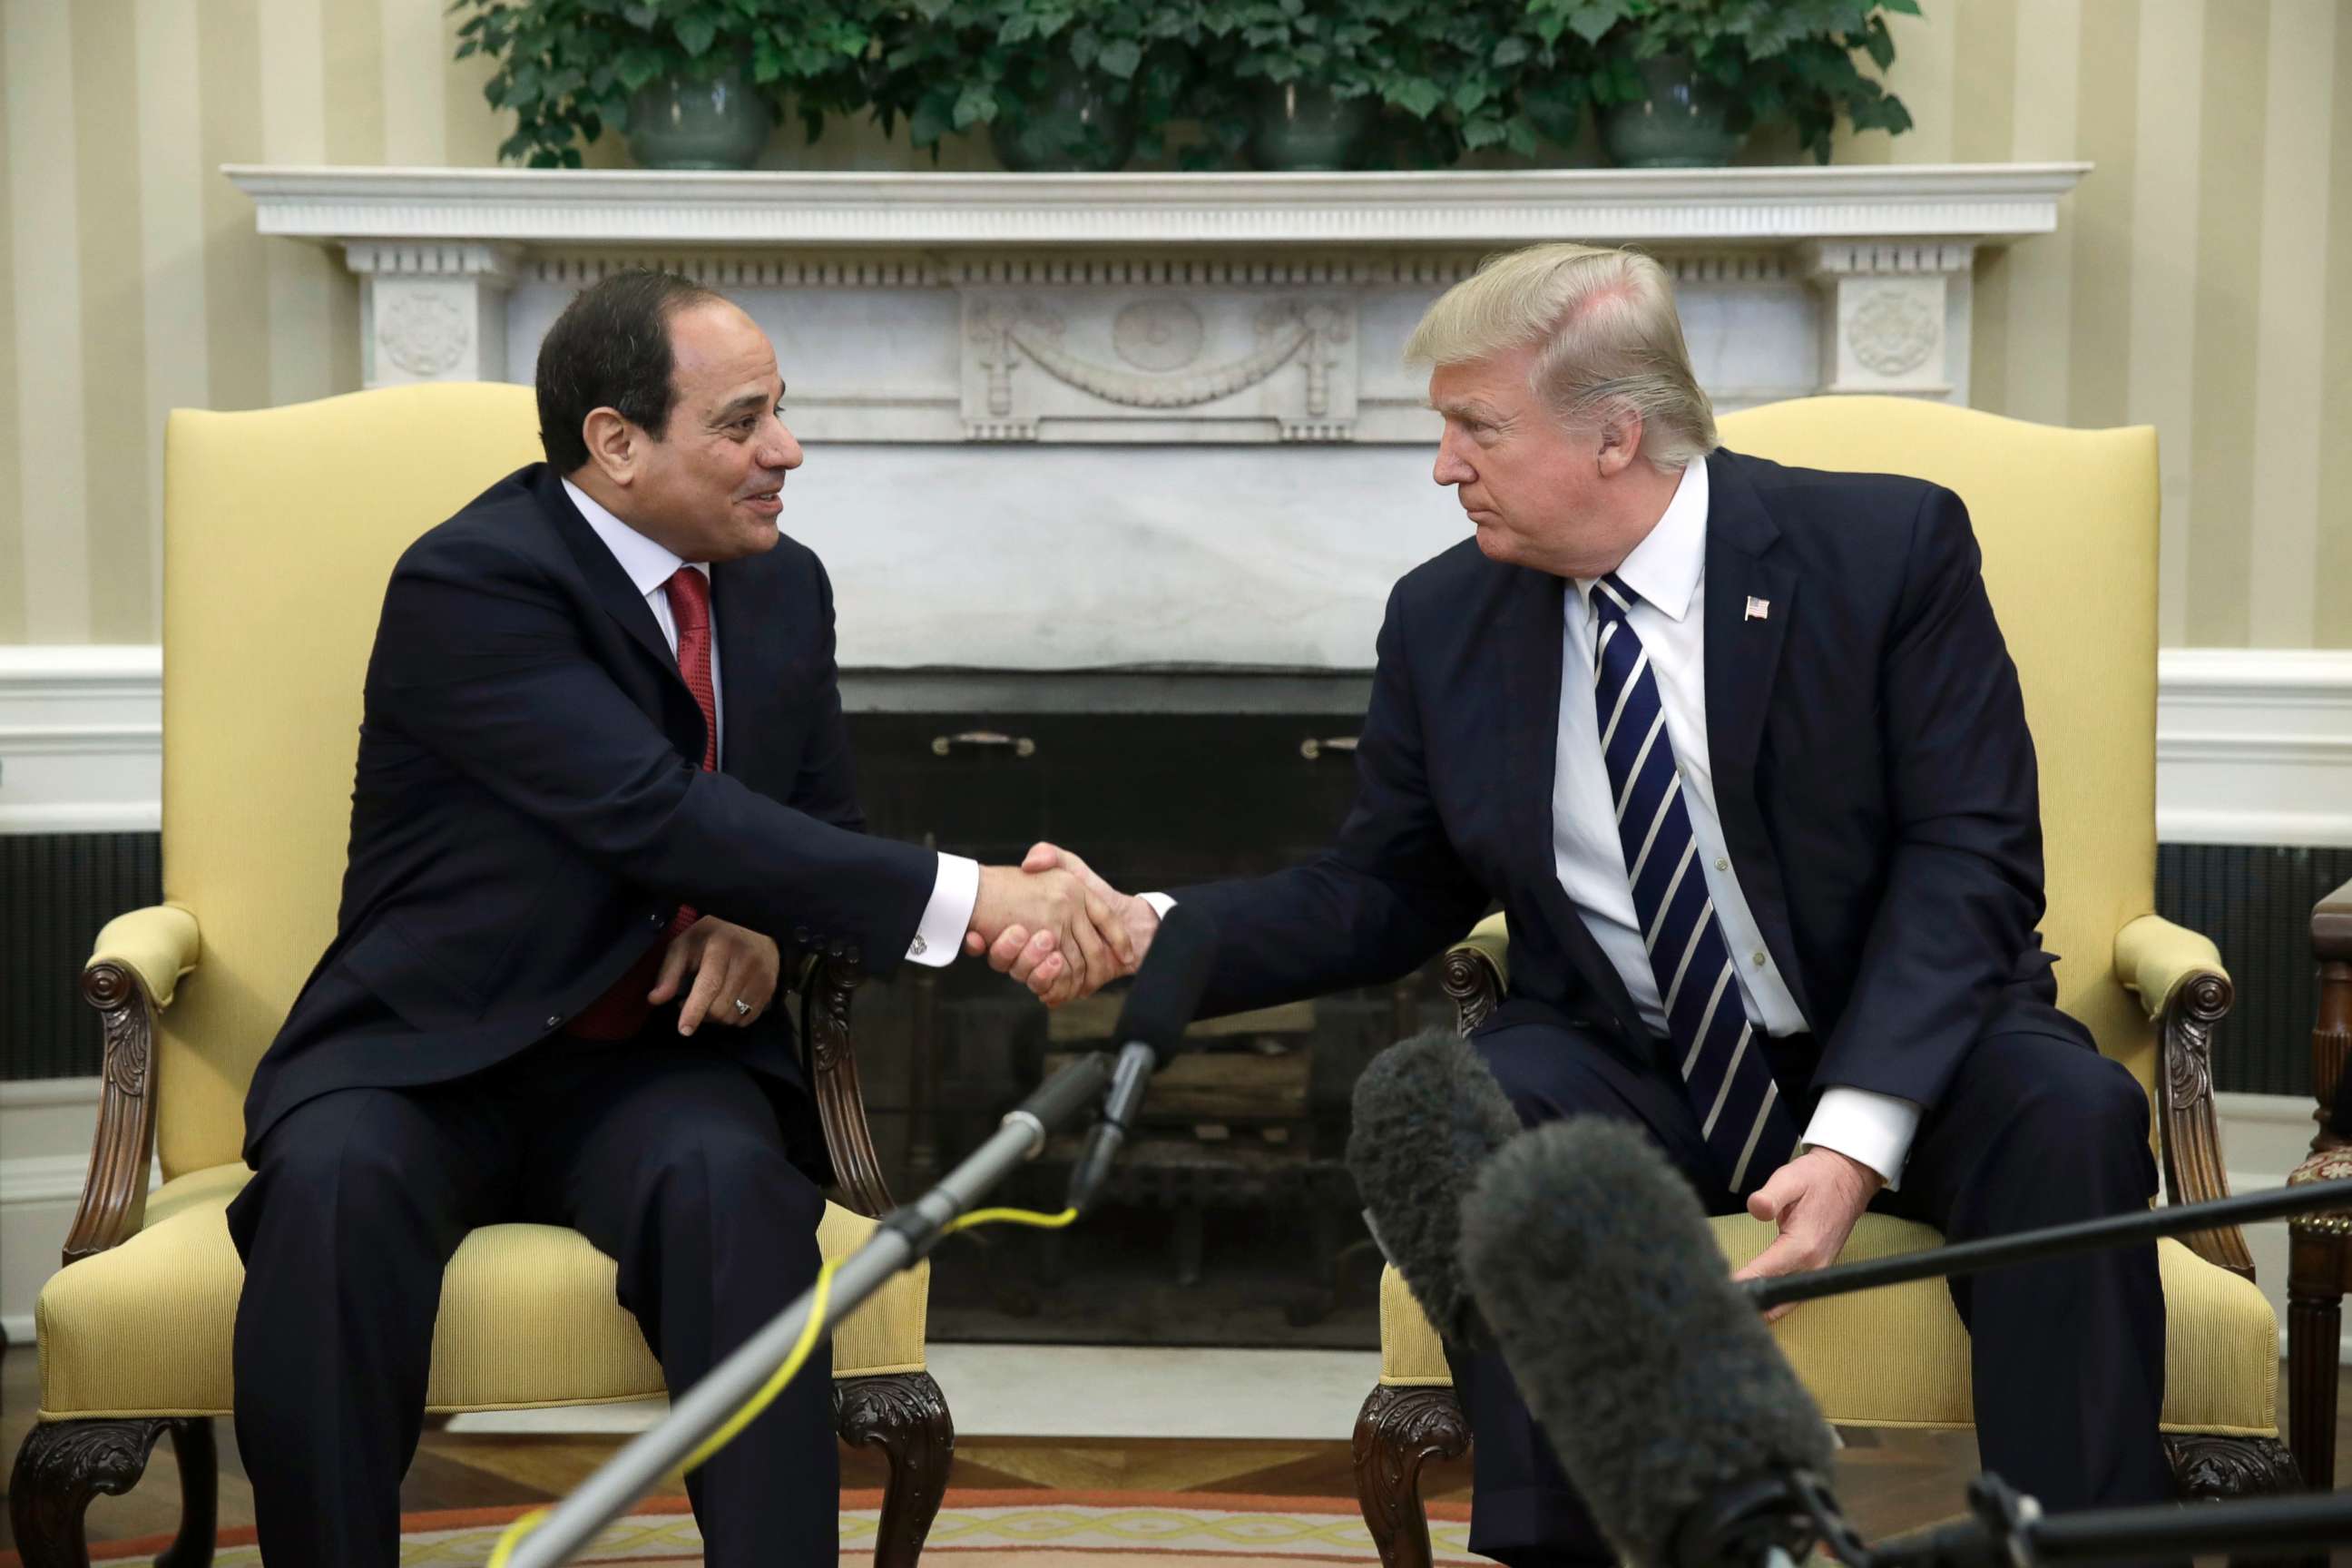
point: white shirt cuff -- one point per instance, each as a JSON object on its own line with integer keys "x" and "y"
{"x": 1875, "y": 1128}
{"x": 940, "y": 935}
{"x": 1161, "y": 904}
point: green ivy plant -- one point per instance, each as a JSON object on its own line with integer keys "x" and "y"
{"x": 948, "y": 66}
{"x": 1449, "y": 77}
{"x": 567, "y": 68}
{"x": 1778, "y": 61}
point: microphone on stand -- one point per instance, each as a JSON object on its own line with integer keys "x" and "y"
{"x": 1427, "y": 1115}
{"x": 1682, "y": 1427}
{"x": 1166, "y": 994}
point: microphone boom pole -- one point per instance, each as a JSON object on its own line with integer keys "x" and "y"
{"x": 2026, "y": 1247}
{"x": 906, "y": 1234}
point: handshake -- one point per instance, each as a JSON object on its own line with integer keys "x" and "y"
{"x": 1056, "y": 927}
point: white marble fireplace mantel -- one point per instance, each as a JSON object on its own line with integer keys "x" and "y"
{"x": 1077, "y": 421}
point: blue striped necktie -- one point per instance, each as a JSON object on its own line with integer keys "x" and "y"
{"x": 1723, "y": 1065}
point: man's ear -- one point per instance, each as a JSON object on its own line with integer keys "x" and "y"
{"x": 614, "y": 445}
{"x": 1620, "y": 441}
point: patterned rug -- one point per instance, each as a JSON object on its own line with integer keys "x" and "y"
{"x": 976, "y": 1530}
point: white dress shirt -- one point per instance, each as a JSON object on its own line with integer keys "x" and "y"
{"x": 1668, "y": 571}
{"x": 1668, "y": 568}
{"x": 939, "y": 937}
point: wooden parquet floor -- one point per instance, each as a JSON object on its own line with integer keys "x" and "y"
{"x": 1890, "y": 1481}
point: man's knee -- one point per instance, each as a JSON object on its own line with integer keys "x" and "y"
{"x": 2062, "y": 1130}
{"x": 733, "y": 1179}
{"x": 332, "y": 1174}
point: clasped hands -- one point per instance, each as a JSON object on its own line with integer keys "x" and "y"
{"x": 1056, "y": 927}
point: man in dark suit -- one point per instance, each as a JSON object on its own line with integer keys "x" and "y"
{"x": 1740, "y": 751}
{"x": 603, "y": 782}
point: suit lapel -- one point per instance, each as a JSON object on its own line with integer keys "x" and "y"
{"x": 606, "y": 582}
{"x": 751, "y": 641}
{"x": 678, "y": 713}
{"x": 1532, "y": 651}
{"x": 1749, "y": 603}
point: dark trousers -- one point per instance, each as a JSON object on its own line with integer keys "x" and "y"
{"x": 665, "y": 1154}
{"x": 2067, "y": 1355}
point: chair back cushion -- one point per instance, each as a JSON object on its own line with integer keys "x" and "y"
{"x": 280, "y": 528}
{"x": 2067, "y": 521}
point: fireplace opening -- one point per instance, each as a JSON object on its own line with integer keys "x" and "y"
{"x": 1230, "y": 1219}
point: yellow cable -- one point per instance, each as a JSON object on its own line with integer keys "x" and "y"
{"x": 1010, "y": 1216}
{"x": 513, "y": 1536}
{"x": 810, "y": 1333}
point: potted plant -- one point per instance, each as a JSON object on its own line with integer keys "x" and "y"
{"x": 1060, "y": 85}
{"x": 1320, "y": 84}
{"x": 1681, "y": 82}
{"x": 692, "y": 83}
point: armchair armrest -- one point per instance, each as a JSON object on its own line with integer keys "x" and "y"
{"x": 2154, "y": 957}
{"x": 1478, "y": 971}
{"x": 2331, "y": 1027}
{"x": 2178, "y": 977}
{"x": 158, "y": 943}
{"x": 827, "y": 981}
{"x": 2331, "y": 927}
{"x": 133, "y": 972}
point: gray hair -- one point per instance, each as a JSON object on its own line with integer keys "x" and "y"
{"x": 1610, "y": 334}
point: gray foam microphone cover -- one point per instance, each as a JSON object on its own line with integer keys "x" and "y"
{"x": 1427, "y": 1115}
{"x": 1649, "y": 1370}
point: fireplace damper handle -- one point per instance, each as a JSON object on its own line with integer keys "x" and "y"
{"x": 984, "y": 739}
{"x": 1311, "y": 748}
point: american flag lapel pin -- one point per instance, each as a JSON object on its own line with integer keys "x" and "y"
{"x": 1758, "y": 609}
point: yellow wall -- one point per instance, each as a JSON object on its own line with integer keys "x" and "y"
{"x": 2201, "y": 278}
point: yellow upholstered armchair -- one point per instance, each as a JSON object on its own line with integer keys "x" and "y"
{"x": 281, "y": 530}
{"x": 2067, "y": 520}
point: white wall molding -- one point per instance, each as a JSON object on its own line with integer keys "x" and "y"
{"x": 81, "y": 739}
{"x": 2254, "y": 746}
{"x": 46, "y": 1126}
{"x": 1448, "y": 207}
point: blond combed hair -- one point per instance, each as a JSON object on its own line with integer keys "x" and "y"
{"x": 1611, "y": 340}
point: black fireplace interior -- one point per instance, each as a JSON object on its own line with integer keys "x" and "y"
{"x": 1231, "y": 1220}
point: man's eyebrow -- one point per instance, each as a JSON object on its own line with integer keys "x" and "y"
{"x": 1467, "y": 408}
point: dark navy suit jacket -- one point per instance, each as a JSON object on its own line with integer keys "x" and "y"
{"x": 1872, "y": 768}
{"x": 528, "y": 810}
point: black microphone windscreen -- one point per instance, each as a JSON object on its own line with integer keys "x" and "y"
{"x": 1427, "y": 1115}
{"x": 1167, "y": 989}
{"x": 1649, "y": 1370}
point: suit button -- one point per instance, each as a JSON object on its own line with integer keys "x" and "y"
{"x": 851, "y": 956}
{"x": 800, "y": 936}
{"x": 553, "y": 1019}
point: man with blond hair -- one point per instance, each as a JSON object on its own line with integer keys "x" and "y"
{"x": 1740, "y": 751}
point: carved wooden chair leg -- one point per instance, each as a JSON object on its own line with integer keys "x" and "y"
{"x": 2314, "y": 1314}
{"x": 199, "y": 1462}
{"x": 2207, "y": 1469}
{"x": 60, "y": 1468}
{"x": 1398, "y": 1431}
{"x": 905, "y": 1416}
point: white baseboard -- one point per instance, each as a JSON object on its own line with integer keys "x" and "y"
{"x": 45, "y": 1126}
{"x": 2254, "y": 745}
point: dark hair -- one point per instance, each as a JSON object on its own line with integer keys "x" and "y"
{"x": 609, "y": 349}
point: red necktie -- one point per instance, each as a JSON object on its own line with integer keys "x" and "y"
{"x": 622, "y": 1011}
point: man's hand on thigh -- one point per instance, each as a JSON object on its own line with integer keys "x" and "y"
{"x": 735, "y": 973}
{"x": 1816, "y": 1199}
